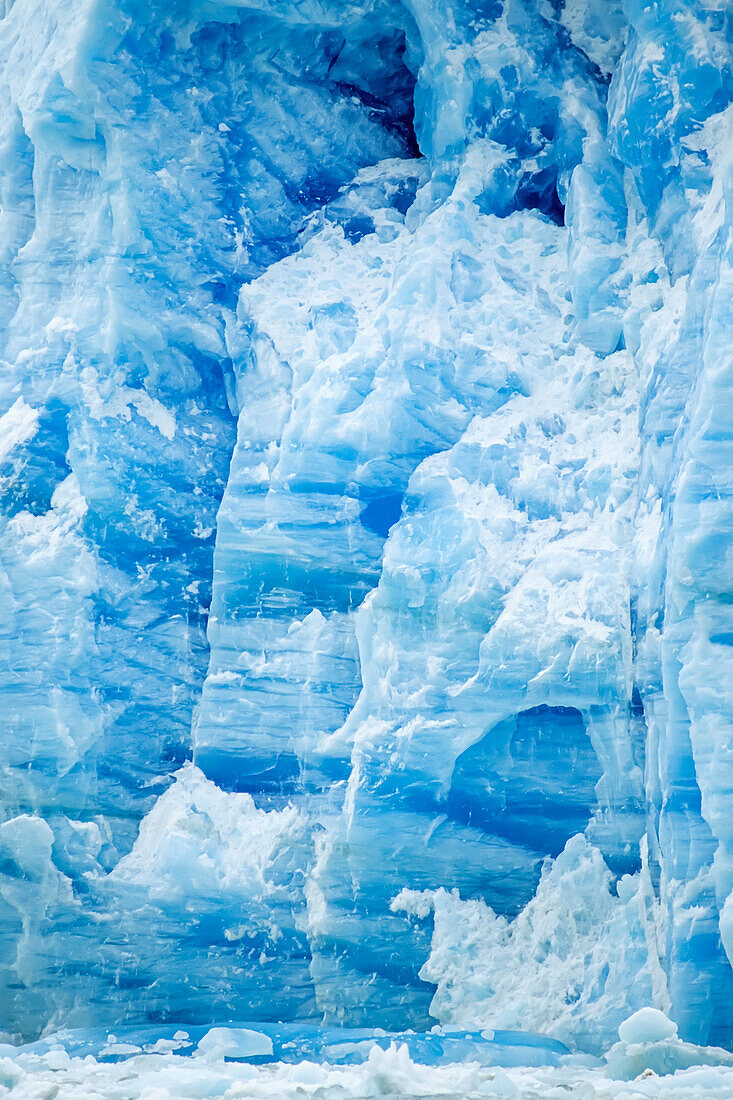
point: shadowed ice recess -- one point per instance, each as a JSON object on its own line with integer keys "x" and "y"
{"x": 365, "y": 548}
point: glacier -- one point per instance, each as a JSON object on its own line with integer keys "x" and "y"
{"x": 365, "y": 546}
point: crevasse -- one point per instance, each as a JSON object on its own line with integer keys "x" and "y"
{"x": 365, "y": 543}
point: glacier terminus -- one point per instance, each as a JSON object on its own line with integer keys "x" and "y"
{"x": 366, "y": 548}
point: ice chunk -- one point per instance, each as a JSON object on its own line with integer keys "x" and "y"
{"x": 230, "y": 1042}
{"x": 647, "y": 1025}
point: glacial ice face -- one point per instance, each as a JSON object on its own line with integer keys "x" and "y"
{"x": 365, "y": 543}
{"x": 146, "y": 178}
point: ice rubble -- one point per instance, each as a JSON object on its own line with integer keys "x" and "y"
{"x": 365, "y": 547}
{"x": 574, "y": 945}
{"x": 230, "y": 1063}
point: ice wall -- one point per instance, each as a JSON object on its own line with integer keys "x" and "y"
{"x": 366, "y": 485}
{"x": 154, "y": 160}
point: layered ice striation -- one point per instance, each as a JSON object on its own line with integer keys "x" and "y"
{"x": 365, "y": 549}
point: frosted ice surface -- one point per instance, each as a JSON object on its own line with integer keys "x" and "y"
{"x": 381, "y": 1069}
{"x": 226, "y": 1042}
{"x": 648, "y": 1025}
{"x": 365, "y": 546}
